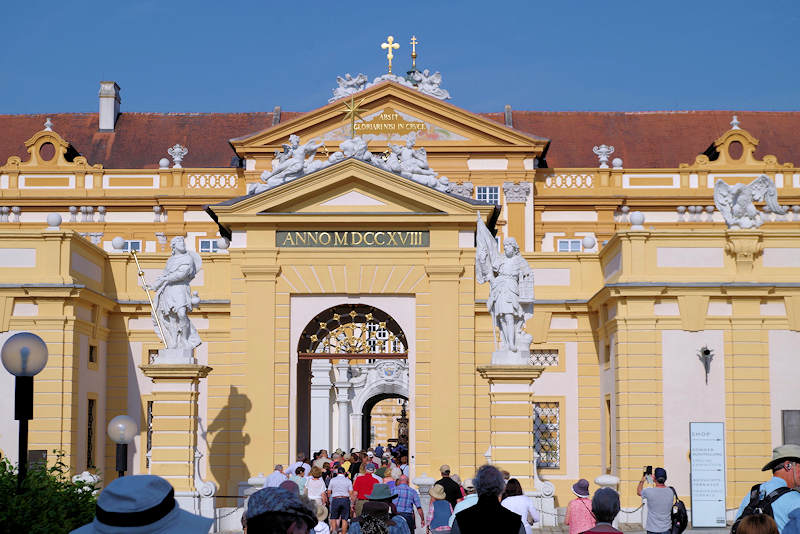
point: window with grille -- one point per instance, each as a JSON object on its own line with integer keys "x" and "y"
{"x": 149, "y": 433}
{"x": 569, "y": 245}
{"x": 791, "y": 426}
{"x": 92, "y": 353}
{"x": 132, "y": 246}
{"x": 544, "y": 357}
{"x": 91, "y": 416}
{"x": 488, "y": 193}
{"x": 546, "y": 432}
{"x": 209, "y": 245}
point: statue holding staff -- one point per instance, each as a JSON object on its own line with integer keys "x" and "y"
{"x": 173, "y": 298}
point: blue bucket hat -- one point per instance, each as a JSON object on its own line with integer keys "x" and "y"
{"x": 142, "y": 504}
{"x": 279, "y": 500}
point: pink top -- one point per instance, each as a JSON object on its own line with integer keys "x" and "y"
{"x": 579, "y": 515}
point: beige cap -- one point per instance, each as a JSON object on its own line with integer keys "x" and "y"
{"x": 784, "y": 452}
{"x": 444, "y": 469}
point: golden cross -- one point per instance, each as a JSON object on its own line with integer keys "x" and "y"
{"x": 414, "y": 44}
{"x": 390, "y": 45}
{"x": 351, "y": 111}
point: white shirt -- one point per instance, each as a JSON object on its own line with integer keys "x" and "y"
{"x": 322, "y": 528}
{"x": 340, "y": 486}
{"x": 315, "y": 488}
{"x": 274, "y": 479}
{"x": 522, "y": 505}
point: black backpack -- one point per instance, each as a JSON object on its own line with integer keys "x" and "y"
{"x": 679, "y": 517}
{"x": 759, "y": 504}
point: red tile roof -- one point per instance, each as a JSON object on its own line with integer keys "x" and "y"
{"x": 642, "y": 139}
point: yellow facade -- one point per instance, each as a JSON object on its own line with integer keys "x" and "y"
{"x": 616, "y": 329}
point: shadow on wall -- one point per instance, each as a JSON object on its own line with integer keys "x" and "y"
{"x": 226, "y": 442}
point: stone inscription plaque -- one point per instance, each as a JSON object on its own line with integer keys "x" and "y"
{"x": 352, "y": 238}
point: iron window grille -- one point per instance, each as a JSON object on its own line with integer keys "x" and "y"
{"x": 546, "y": 431}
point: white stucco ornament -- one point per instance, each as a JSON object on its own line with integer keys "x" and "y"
{"x": 510, "y": 301}
{"x": 736, "y": 202}
{"x": 298, "y": 159}
{"x": 616, "y": 163}
{"x": 53, "y": 221}
{"x": 118, "y": 243}
{"x": 588, "y": 242}
{"x": 172, "y": 302}
{"x": 637, "y": 220}
{"x": 423, "y": 81}
{"x": 163, "y": 163}
{"x": 177, "y": 153}
{"x": 603, "y": 152}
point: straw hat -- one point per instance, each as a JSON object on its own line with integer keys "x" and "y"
{"x": 784, "y": 452}
{"x": 437, "y": 492}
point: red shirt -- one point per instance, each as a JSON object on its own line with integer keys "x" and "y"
{"x": 363, "y": 485}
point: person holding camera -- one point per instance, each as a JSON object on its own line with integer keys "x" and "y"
{"x": 659, "y": 503}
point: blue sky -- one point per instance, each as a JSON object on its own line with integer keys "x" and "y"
{"x": 213, "y": 56}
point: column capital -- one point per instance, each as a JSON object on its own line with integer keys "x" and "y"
{"x": 516, "y": 192}
{"x": 510, "y": 373}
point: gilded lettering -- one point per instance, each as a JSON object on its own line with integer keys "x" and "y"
{"x": 288, "y": 241}
{"x": 353, "y": 236}
{"x": 367, "y": 235}
{"x": 403, "y": 237}
{"x": 312, "y": 238}
{"x": 377, "y": 235}
{"x": 301, "y": 238}
{"x": 340, "y": 239}
{"x": 392, "y": 237}
{"x": 325, "y": 238}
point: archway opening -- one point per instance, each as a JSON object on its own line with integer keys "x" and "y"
{"x": 379, "y": 424}
{"x": 346, "y": 354}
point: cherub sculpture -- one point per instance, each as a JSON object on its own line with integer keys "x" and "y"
{"x": 428, "y": 84}
{"x": 349, "y": 85}
{"x": 289, "y": 164}
{"x": 735, "y": 202}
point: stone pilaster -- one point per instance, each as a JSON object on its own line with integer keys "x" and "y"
{"x": 175, "y": 411}
{"x": 516, "y": 195}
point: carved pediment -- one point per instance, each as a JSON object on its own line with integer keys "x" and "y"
{"x": 389, "y": 112}
{"x": 735, "y": 149}
{"x": 49, "y": 151}
{"x": 349, "y": 191}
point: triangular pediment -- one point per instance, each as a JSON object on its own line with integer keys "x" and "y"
{"x": 391, "y": 111}
{"x": 348, "y": 191}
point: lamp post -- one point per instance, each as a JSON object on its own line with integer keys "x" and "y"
{"x": 121, "y": 430}
{"x": 24, "y": 355}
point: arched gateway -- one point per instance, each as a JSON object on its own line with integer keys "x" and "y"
{"x": 349, "y": 357}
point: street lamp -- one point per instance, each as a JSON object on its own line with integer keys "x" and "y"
{"x": 121, "y": 430}
{"x": 24, "y": 355}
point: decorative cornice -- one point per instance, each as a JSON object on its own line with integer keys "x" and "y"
{"x": 516, "y": 192}
{"x": 176, "y": 371}
{"x": 510, "y": 373}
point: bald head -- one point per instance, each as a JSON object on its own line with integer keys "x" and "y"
{"x": 403, "y": 479}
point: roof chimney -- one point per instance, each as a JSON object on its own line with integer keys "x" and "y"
{"x": 509, "y": 116}
{"x": 109, "y": 105}
{"x": 276, "y": 115}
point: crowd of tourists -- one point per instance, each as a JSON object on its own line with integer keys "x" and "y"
{"x": 368, "y": 492}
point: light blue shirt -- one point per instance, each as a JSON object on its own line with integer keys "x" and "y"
{"x": 469, "y": 500}
{"x": 780, "y": 508}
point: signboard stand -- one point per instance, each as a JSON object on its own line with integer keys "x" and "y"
{"x": 707, "y": 478}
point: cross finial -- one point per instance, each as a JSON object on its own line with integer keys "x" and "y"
{"x": 414, "y": 44}
{"x": 390, "y": 45}
{"x": 48, "y": 125}
{"x": 735, "y": 123}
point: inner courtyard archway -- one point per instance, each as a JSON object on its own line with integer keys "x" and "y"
{"x": 349, "y": 358}
{"x": 379, "y": 423}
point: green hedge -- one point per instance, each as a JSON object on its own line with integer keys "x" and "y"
{"x": 48, "y": 503}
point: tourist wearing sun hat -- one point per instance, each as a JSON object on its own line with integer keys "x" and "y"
{"x": 785, "y": 467}
{"x": 579, "y": 511}
{"x": 270, "y": 507}
{"x": 322, "y": 514}
{"x": 142, "y": 504}
{"x": 380, "y": 512}
{"x": 439, "y": 510}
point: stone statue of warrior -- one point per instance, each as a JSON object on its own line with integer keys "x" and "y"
{"x": 173, "y": 299}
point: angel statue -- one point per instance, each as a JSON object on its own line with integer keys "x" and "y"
{"x": 428, "y": 84}
{"x": 289, "y": 164}
{"x": 735, "y": 202}
{"x": 510, "y": 287}
{"x": 173, "y": 299}
{"x": 413, "y": 162}
{"x": 348, "y": 85}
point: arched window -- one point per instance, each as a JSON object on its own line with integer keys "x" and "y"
{"x": 353, "y": 330}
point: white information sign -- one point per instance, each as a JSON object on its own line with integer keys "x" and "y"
{"x": 707, "y": 446}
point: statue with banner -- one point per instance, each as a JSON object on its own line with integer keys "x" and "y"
{"x": 510, "y": 301}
